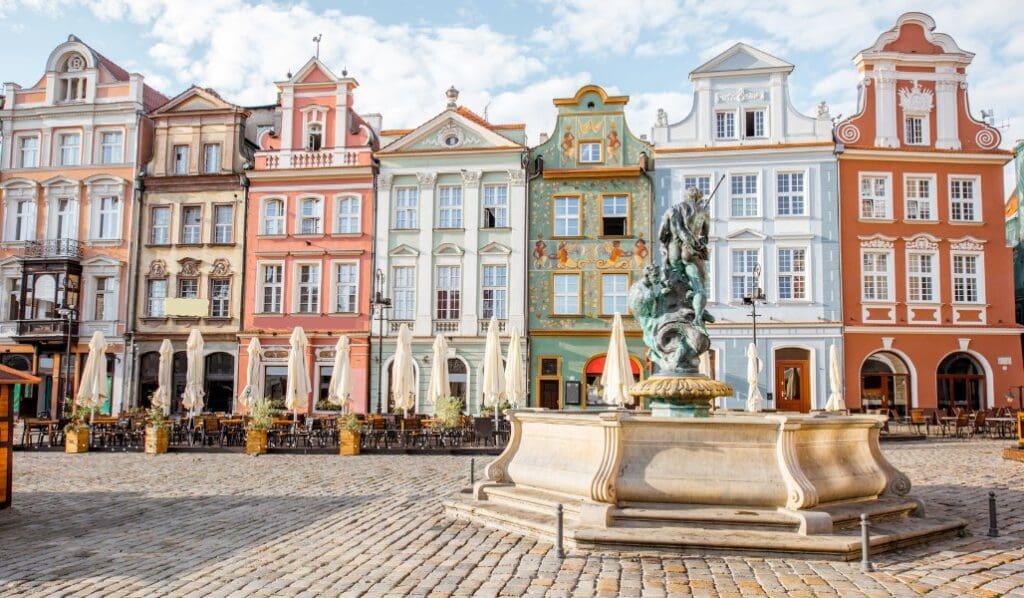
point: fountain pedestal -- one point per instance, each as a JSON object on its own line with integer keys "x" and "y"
{"x": 680, "y": 396}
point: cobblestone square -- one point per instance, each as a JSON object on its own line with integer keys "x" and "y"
{"x": 123, "y": 524}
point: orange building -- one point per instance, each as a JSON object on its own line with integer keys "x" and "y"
{"x": 309, "y": 242}
{"x": 927, "y": 278}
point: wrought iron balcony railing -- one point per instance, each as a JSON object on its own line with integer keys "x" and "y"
{"x": 53, "y": 248}
{"x": 46, "y": 329}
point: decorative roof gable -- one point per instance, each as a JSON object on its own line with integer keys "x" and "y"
{"x": 450, "y": 130}
{"x": 741, "y": 57}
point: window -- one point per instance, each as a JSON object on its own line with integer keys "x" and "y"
{"x": 406, "y": 200}
{"x": 309, "y": 289}
{"x": 614, "y": 289}
{"x": 966, "y": 279}
{"x": 273, "y": 217}
{"x": 188, "y": 288}
{"x": 964, "y": 204}
{"x": 272, "y": 285}
{"x": 701, "y": 183}
{"x": 156, "y": 294}
{"x": 314, "y": 137}
{"x": 211, "y": 158}
{"x": 181, "y": 159}
{"x": 922, "y": 277}
{"x": 191, "y": 225}
{"x": 346, "y": 287}
{"x": 753, "y": 123}
{"x": 495, "y": 292}
{"x": 223, "y": 224}
{"x": 725, "y": 125}
{"x": 347, "y": 219}
{"x": 789, "y": 193}
{"x": 449, "y": 292}
{"x": 590, "y": 152}
{"x": 875, "y": 276}
{"x": 64, "y": 225}
{"x": 99, "y": 302}
{"x": 111, "y": 144}
{"x": 450, "y": 207}
{"x": 160, "y": 225}
{"x": 21, "y": 213}
{"x": 914, "y": 130}
{"x": 403, "y": 290}
{"x": 70, "y": 149}
{"x": 311, "y": 214}
{"x": 744, "y": 262}
{"x": 919, "y": 198}
{"x": 220, "y": 298}
{"x": 109, "y": 218}
{"x": 874, "y": 197}
{"x": 28, "y": 148}
{"x": 567, "y": 294}
{"x": 744, "y": 201}
{"x": 495, "y": 206}
{"x": 567, "y": 217}
{"x": 614, "y": 215}
{"x": 792, "y": 275}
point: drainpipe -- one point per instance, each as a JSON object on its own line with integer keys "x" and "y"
{"x": 373, "y": 141}
{"x": 539, "y": 170}
{"x": 128, "y": 353}
{"x": 243, "y": 180}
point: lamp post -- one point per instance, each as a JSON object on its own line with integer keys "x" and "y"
{"x": 755, "y": 296}
{"x": 380, "y": 303}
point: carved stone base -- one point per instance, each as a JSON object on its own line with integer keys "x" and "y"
{"x": 680, "y": 396}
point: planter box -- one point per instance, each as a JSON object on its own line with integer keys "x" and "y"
{"x": 157, "y": 440}
{"x": 255, "y": 442}
{"x": 348, "y": 442}
{"x": 77, "y": 441}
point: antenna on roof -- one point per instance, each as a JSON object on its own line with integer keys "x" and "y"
{"x": 319, "y": 36}
{"x": 486, "y": 108}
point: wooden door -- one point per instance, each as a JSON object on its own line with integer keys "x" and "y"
{"x": 549, "y": 393}
{"x": 792, "y": 386}
{"x": 6, "y": 442}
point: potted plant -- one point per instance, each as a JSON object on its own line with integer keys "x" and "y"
{"x": 157, "y": 432}
{"x": 448, "y": 413}
{"x": 260, "y": 419}
{"x": 349, "y": 435}
{"x": 76, "y": 433}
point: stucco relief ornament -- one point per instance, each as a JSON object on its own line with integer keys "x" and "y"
{"x": 741, "y": 96}
{"x": 822, "y": 111}
{"x": 848, "y": 133}
{"x": 517, "y": 176}
{"x": 967, "y": 244}
{"x": 922, "y": 243}
{"x": 916, "y": 100}
{"x": 877, "y": 243}
{"x": 157, "y": 269}
{"x": 987, "y": 138}
{"x": 189, "y": 267}
{"x": 384, "y": 181}
{"x": 221, "y": 267}
{"x": 426, "y": 179}
{"x": 471, "y": 178}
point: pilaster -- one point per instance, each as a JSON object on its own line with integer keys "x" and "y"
{"x": 425, "y": 266}
{"x": 885, "y": 107}
{"x": 471, "y": 259}
{"x": 947, "y": 134}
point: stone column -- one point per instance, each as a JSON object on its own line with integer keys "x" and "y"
{"x": 471, "y": 259}
{"x": 885, "y": 107}
{"x": 946, "y": 125}
{"x": 517, "y": 242}
{"x": 425, "y": 263}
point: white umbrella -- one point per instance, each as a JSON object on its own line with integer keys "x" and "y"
{"x": 253, "y": 381}
{"x": 162, "y": 396}
{"x": 296, "y": 394}
{"x": 403, "y": 377}
{"x": 515, "y": 374}
{"x": 340, "y": 391}
{"x": 835, "y": 378}
{"x": 92, "y": 389}
{"x": 439, "y": 385}
{"x": 617, "y": 378}
{"x": 494, "y": 375}
{"x": 192, "y": 398}
{"x": 755, "y": 402}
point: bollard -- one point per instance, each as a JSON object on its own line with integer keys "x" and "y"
{"x": 559, "y": 551}
{"x": 993, "y": 528}
{"x": 472, "y": 472}
{"x": 865, "y": 544}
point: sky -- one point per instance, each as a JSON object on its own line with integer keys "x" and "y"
{"x": 508, "y": 59}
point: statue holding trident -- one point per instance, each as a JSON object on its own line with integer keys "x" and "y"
{"x": 669, "y": 303}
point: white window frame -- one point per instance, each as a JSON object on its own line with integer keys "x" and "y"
{"x": 725, "y": 124}
{"x": 566, "y": 294}
{"x": 790, "y": 194}
{"x": 350, "y": 220}
{"x": 279, "y": 221}
{"x": 568, "y": 217}
{"x": 889, "y": 274}
{"x": 495, "y": 198}
{"x": 438, "y": 289}
{"x": 399, "y": 293}
{"x": 20, "y": 148}
{"x": 925, "y": 132}
{"x": 586, "y": 152}
{"x": 150, "y": 298}
{"x": 314, "y": 115}
{"x": 214, "y": 298}
{"x": 185, "y": 225}
{"x": 978, "y": 276}
{"x": 211, "y": 166}
{"x": 117, "y": 150}
{"x": 220, "y": 226}
{"x": 298, "y": 285}
{"x": 261, "y": 271}
{"x": 933, "y": 276}
{"x": 499, "y": 292}
{"x": 793, "y": 274}
{"x": 975, "y": 202}
{"x": 180, "y": 167}
{"x": 763, "y": 111}
{"x": 450, "y": 214}
{"x": 619, "y": 294}
{"x": 152, "y": 240}
{"x": 103, "y": 298}
{"x": 931, "y": 201}
{"x": 26, "y": 232}
{"x": 886, "y": 198}
{"x": 103, "y": 215}
{"x": 301, "y": 217}
{"x": 406, "y": 210}
{"x": 54, "y": 213}
{"x": 71, "y": 158}
{"x": 701, "y": 182}
{"x": 336, "y": 285}
{"x": 614, "y": 213}
{"x": 734, "y": 273}
{"x": 745, "y": 196}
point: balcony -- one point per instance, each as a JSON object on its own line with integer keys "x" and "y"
{"x": 46, "y": 331}
{"x": 484, "y": 324}
{"x": 303, "y": 159}
{"x": 446, "y": 326}
{"x": 68, "y": 249}
{"x": 395, "y": 325}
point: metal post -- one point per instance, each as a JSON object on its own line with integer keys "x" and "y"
{"x": 993, "y": 529}
{"x": 472, "y": 472}
{"x": 559, "y": 551}
{"x": 380, "y": 357}
{"x": 865, "y": 544}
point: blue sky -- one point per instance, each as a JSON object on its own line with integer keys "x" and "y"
{"x": 511, "y": 57}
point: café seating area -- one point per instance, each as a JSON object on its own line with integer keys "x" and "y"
{"x": 954, "y": 423}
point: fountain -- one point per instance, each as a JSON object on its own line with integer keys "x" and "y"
{"x": 684, "y": 477}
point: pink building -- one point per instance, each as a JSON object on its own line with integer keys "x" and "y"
{"x": 308, "y": 255}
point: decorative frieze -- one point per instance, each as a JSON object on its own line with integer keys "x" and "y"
{"x": 426, "y": 179}
{"x": 967, "y": 244}
{"x": 915, "y": 100}
{"x": 471, "y": 178}
{"x": 741, "y": 96}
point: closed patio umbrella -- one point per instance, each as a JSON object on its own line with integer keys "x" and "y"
{"x": 835, "y": 378}
{"x": 192, "y": 398}
{"x": 617, "y": 377}
{"x": 162, "y": 396}
{"x": 340, "y": 391}
{"x": 92, "y": 388}
{"x": 493, "y": 385}
{"x": 439, "y": 385}
{"x": 515, "y": 374}
{"x": 296, "y": 394}
{"x": 755, "y": 402}
{"x": 403, "y": 377}
{"x": 253, "y": 381}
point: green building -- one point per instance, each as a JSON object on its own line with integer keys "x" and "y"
{"x": 590, "y": 199}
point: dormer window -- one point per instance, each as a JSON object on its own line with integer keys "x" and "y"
{"x": 913, "y": 130}
{"x": 314, "y": 119}
{"x": 71, "y": 86}
{"x": 753, "y": 123}
{"x": 315, "y": 137}
{"x": 181, "y": 159}
{"x": 725, "y": 125}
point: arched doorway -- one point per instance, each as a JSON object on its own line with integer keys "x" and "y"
{"x": 220, "y": 382}
{"x": 961, "y": 383}
{"x": 24, "y": 401}
{"x": 458, "y": 379}
{"x": 179, "y": 371}
{"x": 592, "y": 373}
{"x": 149, "y": 381}
{"x": 885, "y": 383}
{"x": 793, "y": 379}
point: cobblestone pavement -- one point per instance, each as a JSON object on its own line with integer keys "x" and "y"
{"x": 227, "y": 524}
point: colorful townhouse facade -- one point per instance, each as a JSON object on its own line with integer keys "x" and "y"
{"x": 450, "y": 245}
{"x": 73, "y": 144}
{"x": 928, "y": 313}
{"x": 190, "y": 253}
{"x": 590, "y": 231}
{"x": 774, "y": 222}
{"x": 309, "y": 232}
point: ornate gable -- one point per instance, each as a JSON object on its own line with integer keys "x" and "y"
{"x": 449, "y": 130}
{"x": 741, "y": 57}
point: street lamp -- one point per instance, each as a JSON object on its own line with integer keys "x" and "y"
{"x": 755, "y": 296}
{"x": 380, "y": 303}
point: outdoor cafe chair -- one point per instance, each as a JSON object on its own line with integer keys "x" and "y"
{"x": 962, "y": 426}
{"x": 483, "y": 431}
{"x": 979, "y": 424}
{"x": 919, "y": 420}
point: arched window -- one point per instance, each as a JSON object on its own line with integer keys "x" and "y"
{"x": 179, "y": 371}
{"x": 220, "y": 382}
{"x": 961, "y": 383}
{"x": 273, "y": 217}
{"x": 149, "y": 369}
{"x": 314, "y": 137}
{"x": 311, "y": 216}
{"x": 347, "y": 215}
{"x": 458, "y": 378}
{"x": 72, "y": 83}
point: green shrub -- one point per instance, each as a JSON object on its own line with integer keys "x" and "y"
{"x": 261, "y": 415}
{"x": 448, "y": 412}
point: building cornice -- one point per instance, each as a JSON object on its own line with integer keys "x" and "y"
{"x": 999, "y": 157}
{"x": 664, "y": 151}
{"x": 592, "y": 173}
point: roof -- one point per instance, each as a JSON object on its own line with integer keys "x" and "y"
{"x": 483, "y": 122}
{"x": 741, "y": 57}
